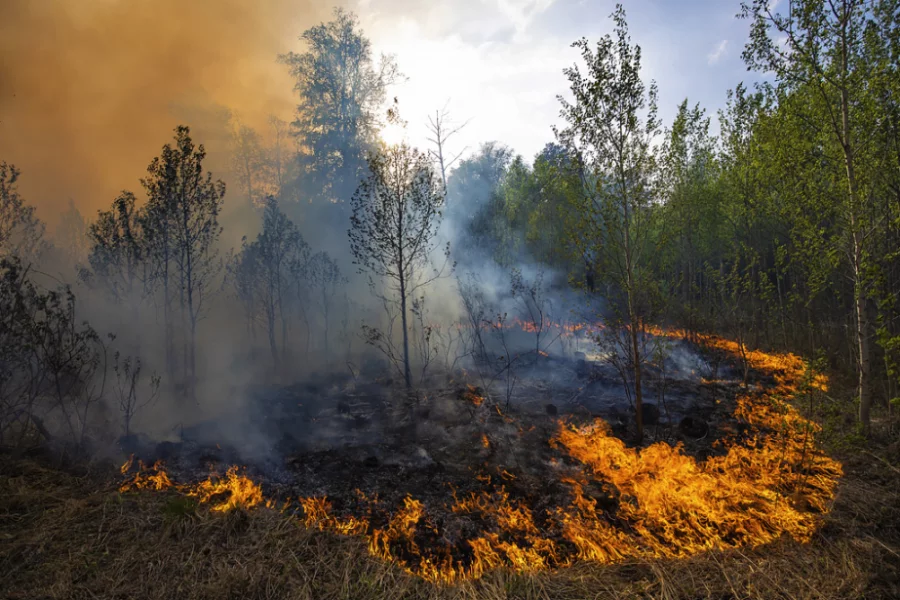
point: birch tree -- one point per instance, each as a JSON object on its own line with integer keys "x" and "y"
{"x": 610, "y": 127}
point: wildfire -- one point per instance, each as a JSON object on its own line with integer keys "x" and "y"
{"x": 223, "y": 494}
{"x": 234, "y": 491}
{"x": 659, "y": 501}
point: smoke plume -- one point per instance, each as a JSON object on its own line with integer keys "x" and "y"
{"x": 91, "y": 89}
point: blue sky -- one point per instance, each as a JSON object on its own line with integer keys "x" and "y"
{"x": 499, "y": 62}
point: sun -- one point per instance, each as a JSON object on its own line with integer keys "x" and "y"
{"x": 394, "y": 133}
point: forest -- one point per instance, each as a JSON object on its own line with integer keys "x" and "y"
{"x": 652, "y": 360}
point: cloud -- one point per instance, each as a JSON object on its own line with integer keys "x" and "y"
{"x": 717, "y": 53}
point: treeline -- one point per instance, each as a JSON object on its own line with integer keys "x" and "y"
{"x": 783, "y": 231}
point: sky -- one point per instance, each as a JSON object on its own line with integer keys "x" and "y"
{"x": 93, "y": 88}
{"x": 498, "y": 64}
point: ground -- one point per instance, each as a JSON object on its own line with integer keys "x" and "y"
{"x": 67, "y": 531}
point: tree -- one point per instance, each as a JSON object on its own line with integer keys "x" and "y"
{"x": 71, "y": 235}
{"x": 21, "y": 232}
{"x": 279, "y": 158}
{"x": 182, "y": 229}
{"x": 396, "y": 216}
{"x": 249, "y": 162}
{"x": 611, "y": 125}
{"x": 324, "y": 276}
{"x": 275, "y": 248}
{"x": 117, "y": 253}
{"x": 824, "y": 61}
{"x": 341, "y": 91}
{"x": 441, "y": 130}
{"x": 688, "y": 177}
{"x": 472, "y": 202}
{"x": 51, "y": 363}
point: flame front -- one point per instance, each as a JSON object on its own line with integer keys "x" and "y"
{"x": 770, "y": 483}
{"x": 222, "y": 494}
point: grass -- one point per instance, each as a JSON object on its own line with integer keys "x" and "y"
{"x": 68, "y": 536}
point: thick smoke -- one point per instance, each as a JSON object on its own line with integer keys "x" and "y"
{"x": 90, "y": 90}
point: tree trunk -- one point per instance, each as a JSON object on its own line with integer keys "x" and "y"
{"x": 859, "y": 292}
{"x": 636, "y": 357}
{"x": 862, "y": 333}
{"x": 407, "y": 374}
{"x": 273, "y": 344}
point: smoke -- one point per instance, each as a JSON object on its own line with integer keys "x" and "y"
{"x": 91, "y": 90}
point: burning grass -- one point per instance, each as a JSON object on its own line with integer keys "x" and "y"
{"x": 771, "y": 483}
{"x": 65, "y": 537}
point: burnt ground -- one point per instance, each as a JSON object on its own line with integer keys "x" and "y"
{"x": 349, "y": 438}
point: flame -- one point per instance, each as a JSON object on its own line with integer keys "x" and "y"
{"x": 473, "y": 396}
{"x": 653, "y": 502}
{"x": 239, "y": 491}
{"x": 318, "y": 515}
{"x": 485, "y": 441}
{"x": 146, "y": 478}
{"x": 223, "y": 494}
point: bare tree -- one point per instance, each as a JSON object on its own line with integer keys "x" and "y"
{"x": 396, "y": 215}
{"x": 532, "y": 304}
{"x": 442, "y": 129}
{"x": 324, "y": 277}
{"x": 128, "y": 393}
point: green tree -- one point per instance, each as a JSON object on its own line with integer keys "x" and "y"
{"x": 823, "y": 59}
{"x": 610, "y": 128}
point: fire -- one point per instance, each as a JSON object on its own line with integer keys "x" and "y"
{"x": 623, "y": 503}
{"x": 223, "y": 494}
{"x": 318, "y": 515}
{"x": 238, "y": 490}
{"x": 471, "y": 394}
{"x": 146, "y": 478}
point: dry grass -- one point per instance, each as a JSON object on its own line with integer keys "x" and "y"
{"x": 67, "y": 536}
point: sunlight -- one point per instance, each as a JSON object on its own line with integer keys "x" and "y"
{"x": 394, "y": 133}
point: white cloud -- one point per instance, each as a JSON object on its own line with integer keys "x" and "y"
{"x": 717, "y": 53}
